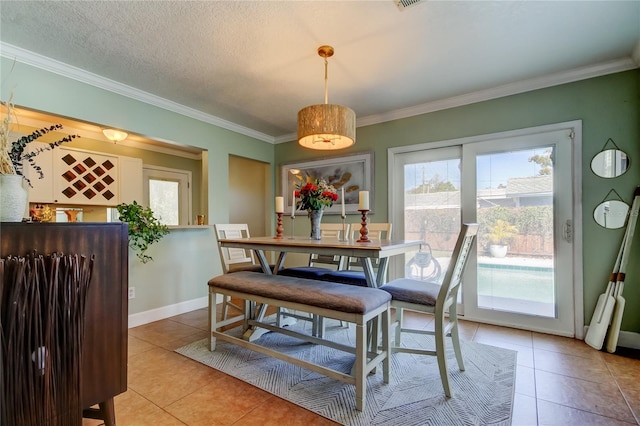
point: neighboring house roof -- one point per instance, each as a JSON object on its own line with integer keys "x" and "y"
{"x": 531, "y": 186}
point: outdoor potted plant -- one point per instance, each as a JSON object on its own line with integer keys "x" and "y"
{"x": 144, "y": 228}
{"x": 13, "y": 195}
{"x": 500, "y": 234}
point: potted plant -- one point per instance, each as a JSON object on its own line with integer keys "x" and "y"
{"x": 500, "y": 234}
{"x": 144, "y": 228}
{"x": 13, "y": 196}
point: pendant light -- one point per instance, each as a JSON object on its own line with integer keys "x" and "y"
{"x": 326, "y": 126}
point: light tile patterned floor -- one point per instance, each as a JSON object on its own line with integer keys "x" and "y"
{"x": 559, "y": 381}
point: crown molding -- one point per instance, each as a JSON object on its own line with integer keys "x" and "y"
{"x": 577, "y": 74}
{"x": 635, "y": 54}
{"x": 39, "y": 61}
{"x": 555, "y": 79}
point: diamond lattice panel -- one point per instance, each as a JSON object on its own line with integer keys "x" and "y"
{"x": 87, "y": 178}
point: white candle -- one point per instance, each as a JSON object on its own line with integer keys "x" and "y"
{"x": 279, "y": 204}
{"x": 293, "y": 204}
{"x": 363, "y": 200}
{"x": 342, "y": 197}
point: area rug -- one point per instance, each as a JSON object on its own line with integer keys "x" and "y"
{"x": 483, "y": 393}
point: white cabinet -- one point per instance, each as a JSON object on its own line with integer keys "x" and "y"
{"x": 130, "y": 180}
{"x": 78, "y": 177}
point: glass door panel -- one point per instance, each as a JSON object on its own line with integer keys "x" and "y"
{"x": 514, "y": 199}
{"x": 432, "y": 213}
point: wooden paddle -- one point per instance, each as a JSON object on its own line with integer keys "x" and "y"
{"x": 604, "y": 308}
{"x": 614, "y": 330}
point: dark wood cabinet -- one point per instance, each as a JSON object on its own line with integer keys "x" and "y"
{"x": 104, "y": 353}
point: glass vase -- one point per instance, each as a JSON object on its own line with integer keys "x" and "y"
{"x": 315, "y": 216}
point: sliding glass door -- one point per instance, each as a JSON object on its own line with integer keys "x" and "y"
{"x": 518, "y": 188}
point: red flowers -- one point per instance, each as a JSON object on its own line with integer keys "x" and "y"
{"x": 316, "y": 195}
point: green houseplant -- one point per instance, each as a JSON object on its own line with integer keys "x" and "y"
{"x": 500, "y": 234}
{"x": 144, "y": 228}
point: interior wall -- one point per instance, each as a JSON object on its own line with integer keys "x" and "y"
{"x": 248, "y": 190}
{"x": 157, "y": 291}
{"x": 609, "y": 107}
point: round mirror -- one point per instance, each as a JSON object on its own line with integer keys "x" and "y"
{"x": 610, "y": 163}
{"x": 611, "y": 214}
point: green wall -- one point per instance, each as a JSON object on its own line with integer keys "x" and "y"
{"x": 608, "y": 106}
{"x": 41, "y": 90}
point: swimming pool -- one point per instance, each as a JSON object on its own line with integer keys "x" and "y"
{"x": 524, "y": 289}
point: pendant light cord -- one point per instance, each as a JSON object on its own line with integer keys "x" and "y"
{"x": 326, "y": 81}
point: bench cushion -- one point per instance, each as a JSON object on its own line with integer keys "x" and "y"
{"x": 311, "y": 272}
{"x": 413, "y": 291}
{"x": 346, "y": 277}
{"x": 333, "y": 296}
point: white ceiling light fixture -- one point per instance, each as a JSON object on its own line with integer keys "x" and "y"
{"x": 115, "y": 135}
{"x": 326, "y": 126}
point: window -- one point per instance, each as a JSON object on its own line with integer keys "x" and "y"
{"x": 168, "y": 193}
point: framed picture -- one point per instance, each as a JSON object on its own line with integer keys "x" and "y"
{"x": 353, "y": 172}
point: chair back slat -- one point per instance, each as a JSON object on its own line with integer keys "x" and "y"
{"x": 233, "y": 257}
{"x": 377, "y": 231}
{"x": 448, "y": 293}
{"x": 329, "y": 231}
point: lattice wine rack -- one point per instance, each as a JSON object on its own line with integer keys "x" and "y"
{"x": 87, "y": 178}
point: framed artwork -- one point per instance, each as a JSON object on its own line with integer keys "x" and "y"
{"x": 352, "y": 172}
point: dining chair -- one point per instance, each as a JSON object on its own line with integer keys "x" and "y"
{"x": 351, "y": 271}
{"x": 436, "y": 299}
{"x": 319, "y": 265}
{"x": 234, "y": 259}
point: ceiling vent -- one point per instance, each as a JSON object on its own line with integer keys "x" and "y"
{"x": 403, "y": 4}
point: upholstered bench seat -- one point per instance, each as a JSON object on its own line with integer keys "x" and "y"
{"x": 358, "y": 305}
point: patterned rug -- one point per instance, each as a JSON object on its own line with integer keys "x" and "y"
{"x": 483, "y": 393}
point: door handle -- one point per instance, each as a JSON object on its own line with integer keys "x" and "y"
{"x": 567, "y": 230}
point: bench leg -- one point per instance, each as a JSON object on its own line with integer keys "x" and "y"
{"x": 361, "y": 359}
{"x": 212, "y": 320}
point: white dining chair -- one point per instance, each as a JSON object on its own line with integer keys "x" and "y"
{"x": 234, "y": 259}
{"x": 351, "y": 271}
{"x": 319, "y": 265}
{"x": 436, "y": 299}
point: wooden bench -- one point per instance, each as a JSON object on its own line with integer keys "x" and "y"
{"x": 358, "y": 305}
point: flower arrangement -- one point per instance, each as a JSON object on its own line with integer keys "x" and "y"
{"x": 315, "y": 194}
{"x": 12, "y": 154}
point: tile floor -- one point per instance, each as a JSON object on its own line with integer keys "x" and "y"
{"x": 559, "y": 381}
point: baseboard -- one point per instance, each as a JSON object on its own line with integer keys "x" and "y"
{"x": 629, "y": 339}
{"x": 626, "y": 339}
{"x": 157, "y": 314}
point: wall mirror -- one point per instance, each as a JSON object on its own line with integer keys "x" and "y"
{"x": 610, "y": 162}
{"x": 611, "y": 214}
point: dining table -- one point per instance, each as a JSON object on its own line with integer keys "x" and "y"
{"x": 382, "y": 250}
{"x": 366, "y": 252}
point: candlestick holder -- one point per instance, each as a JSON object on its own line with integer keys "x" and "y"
{"x": 279, "y": 227}
{"x": 345, "y": 237}
{"x": 364, "y": 231}
{"x": 293, "y": 227}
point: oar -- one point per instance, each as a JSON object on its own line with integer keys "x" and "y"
{"x": 604, "y": 308}
{"x": 614, "y": 331}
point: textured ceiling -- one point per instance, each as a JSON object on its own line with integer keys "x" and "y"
{"x": 254, "y": 63}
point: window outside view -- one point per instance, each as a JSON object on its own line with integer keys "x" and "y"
{"x": 515, "y": 246}
{"x": 164, "y": 200}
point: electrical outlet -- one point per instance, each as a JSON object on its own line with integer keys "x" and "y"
{"x": 132, "y": 292}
